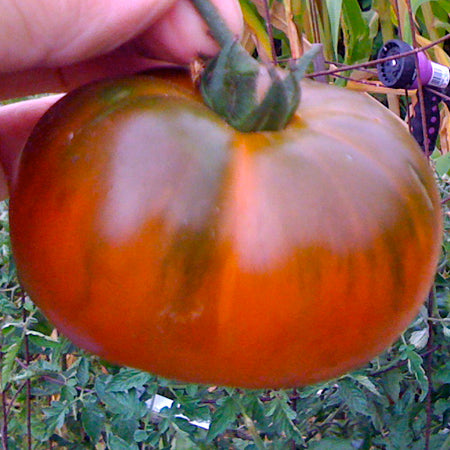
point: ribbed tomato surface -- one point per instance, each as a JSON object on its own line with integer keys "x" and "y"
{"x": 154, "y": 235}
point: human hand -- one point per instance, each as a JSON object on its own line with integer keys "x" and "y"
{"x": 50, "y": 46}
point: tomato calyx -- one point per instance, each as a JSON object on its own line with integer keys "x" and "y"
{"x": 249, "y": 95}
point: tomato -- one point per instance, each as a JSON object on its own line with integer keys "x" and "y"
{"x": 153, "y": 234}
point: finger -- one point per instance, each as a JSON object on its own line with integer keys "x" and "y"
{"x": 181, "y": 34}
{"x": 16, "y": 122}
{"x": 51, "y": 34}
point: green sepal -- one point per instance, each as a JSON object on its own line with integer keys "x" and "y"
{"x": 249, "y": 95}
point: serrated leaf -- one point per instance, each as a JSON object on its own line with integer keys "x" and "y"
{"x": 182, "y": 440}
{"x": 9, "y": 327}
{"x": 125, "y": 403}
{"x": 55, "y": 416}
{"x": 223, "y": 418}
{"x": 367, "y": 383}
{"x": 127, "y": 379}
{"x": 400, "y": 435}
{"x": 419, "y": 338}
{"x": 83, "y": 371}
{"x": 283, "y": 415}
{"x": 39, "y": 368}
{"x": 255, "y": 409}
{"x": 332, "y": 444}
{"x": 41, "y": 339}
{"x": 391, "y": 383}
{"x": 355, "y": 398}
{"x": 7, "y": 307}
{"x": 415, "y": 367}
{"x": 8, "y": 362}
{"x": 117, "y": 443}
{"x": 93, "y": 421}
{"x": 124, "y": 427}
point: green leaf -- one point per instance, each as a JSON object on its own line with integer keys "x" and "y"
{"x": 255, "y": 409}
{"x": 283, "y": 415}
{"x": 443, "y": 164}
{"x": 400, "y": 434}
{"x": 83, "y": 371}
{"x": 40, "y": 368}
{"x": 182, "y": 440}
{"x": 125, "y": 403}
{"x": 372, "y": 19}
{"x": 332, "y": 444}
{"x": 223, "y": 418}
{"x": 356, "y": 33}
{"x": 93, "y": 420}
{"x": 355, "y": 398}
{"x": 416, "y": 4}
{"x": 442, "y": 374}
{"x": 334, "y": 13}
{"x": 6, "y": 306}
{"x": 127, "y": 379}
{"x": 141, "y": 436}
{"x": 415, "y": 362}
{"x": 8, "y": 362}
{"x": 124, "y": 427}
{"x": 41, "y": 339}
{"x": 367, "y": 383}
{"x": 419, "y": 338}
{"x": 55, "y": 416}
{"x": 391, "y": 384}
{"x": 117, "y": 443}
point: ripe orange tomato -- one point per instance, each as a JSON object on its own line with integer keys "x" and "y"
{"x": 154, "y": 235}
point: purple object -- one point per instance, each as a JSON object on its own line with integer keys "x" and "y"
{"x": 431, "y": 74}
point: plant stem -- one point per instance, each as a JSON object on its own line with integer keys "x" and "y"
{"x": 270, "y": 30}
{"x": 5, "y": 422}
{"x": 428, "y": 366}
{"x": 215, "y": 22}
{"x": 383, "y": 7}
{"x": 28, "y": 382}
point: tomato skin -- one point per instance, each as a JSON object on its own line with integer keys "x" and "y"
{"x": 154, "y": 235}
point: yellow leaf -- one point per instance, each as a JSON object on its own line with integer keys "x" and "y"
{"x": 440, "y": 54}
{"x": 444, "y": 130}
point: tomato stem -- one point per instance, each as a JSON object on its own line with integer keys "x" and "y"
{"x": 215, "y": 22}
{"x": 249, "y": 95}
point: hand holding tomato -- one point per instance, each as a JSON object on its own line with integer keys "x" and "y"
{"x": 50, "y": 46}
